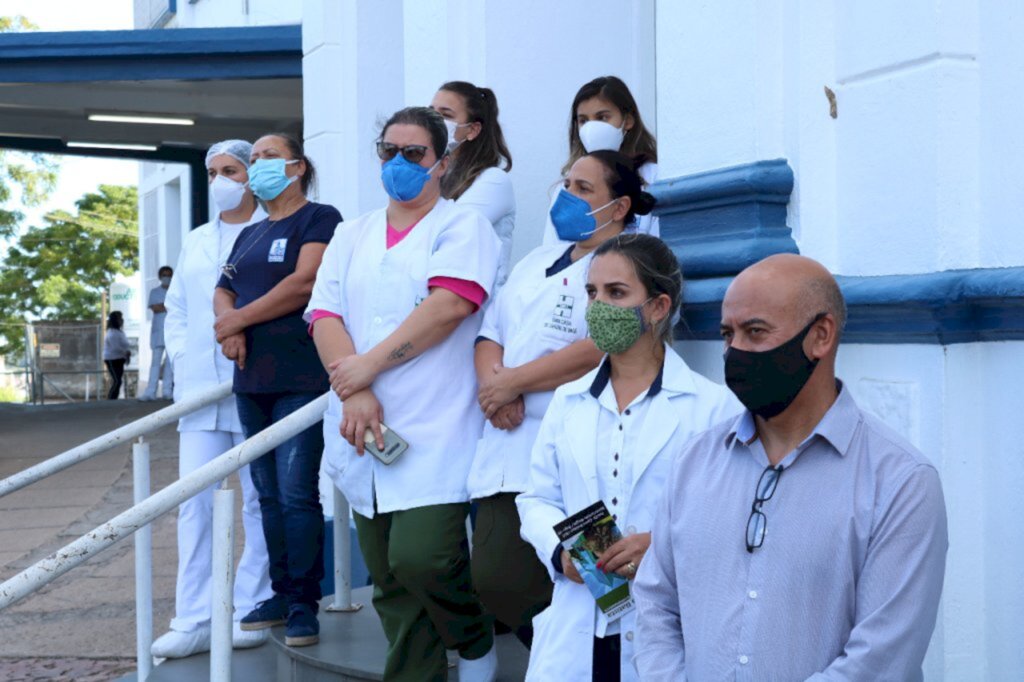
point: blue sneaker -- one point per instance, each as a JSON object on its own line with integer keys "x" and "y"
{"x": 267, "y": 614}
{"x": 303, "y": 627}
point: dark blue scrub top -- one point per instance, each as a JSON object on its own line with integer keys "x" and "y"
{"x": 280, "y": 355}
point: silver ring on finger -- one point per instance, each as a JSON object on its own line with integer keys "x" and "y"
{"x": 631, "y": 567}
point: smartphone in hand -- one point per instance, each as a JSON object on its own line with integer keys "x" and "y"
{"x": 394, "y": 446}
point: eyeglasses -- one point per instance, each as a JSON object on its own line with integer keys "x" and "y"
{"x": 412, "y": 153}
{"x": 757, "y": 522}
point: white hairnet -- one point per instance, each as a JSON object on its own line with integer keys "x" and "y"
{"x": 238, "y": 149}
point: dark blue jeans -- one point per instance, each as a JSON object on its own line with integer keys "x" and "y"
{"x": 286, "y": 480}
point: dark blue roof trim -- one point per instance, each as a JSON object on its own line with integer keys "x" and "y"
{"x": 954, "y": 306}
{"x": 155, "y": 54}
{"x": 723, "y": 220}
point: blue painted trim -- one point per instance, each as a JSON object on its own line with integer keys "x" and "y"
{"x": 954, "y": 306}
{"x": 720, "y": 221}
{"x": 153, "y": 54}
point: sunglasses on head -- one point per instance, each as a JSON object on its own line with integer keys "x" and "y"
{"x": 412, "y": 153}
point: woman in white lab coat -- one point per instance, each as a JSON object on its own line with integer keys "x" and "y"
{"x": 204, "y": 434}
{"x": 533, "y": 340}
{"x": 605, "y": 115}
{"x": 478, "y": 174}
{"x": 394, "y": 315}
{"x": 611, "y": 436}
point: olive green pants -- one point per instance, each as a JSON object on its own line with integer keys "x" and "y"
{"x": 419, "y": 562}
{"x": 507, "y": 575}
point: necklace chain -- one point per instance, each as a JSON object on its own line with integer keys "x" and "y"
{"x": 230, "y": 269}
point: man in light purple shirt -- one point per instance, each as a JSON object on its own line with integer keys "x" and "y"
{"x": 805, "y": 539}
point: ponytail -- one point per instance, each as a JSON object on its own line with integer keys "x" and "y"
{"x": 487, "y": 150}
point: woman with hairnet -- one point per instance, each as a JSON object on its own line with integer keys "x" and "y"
{"x": 199, "y": 366}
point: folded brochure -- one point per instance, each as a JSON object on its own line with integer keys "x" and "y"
{"x": 586, "y": 535}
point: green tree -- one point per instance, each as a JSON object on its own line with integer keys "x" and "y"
{"x": 60, "y": 271}
{"x": 28, "y": 177}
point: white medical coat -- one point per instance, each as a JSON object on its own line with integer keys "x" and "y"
{"x": 491, "y": 194}
{"x": 563, "y": 480}
{"x": 191, "y": 343}
{"x": 430, "y": 401}
{"x": 533, "y": 315}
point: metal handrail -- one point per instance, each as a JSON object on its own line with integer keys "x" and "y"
{"x": 120, "y": 436}
{"x": 124, "y": 524}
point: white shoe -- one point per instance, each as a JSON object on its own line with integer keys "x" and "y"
{"x": 178, "y": 644}
{"x": 247, "y": 639}
{"x": 483, "y": 669}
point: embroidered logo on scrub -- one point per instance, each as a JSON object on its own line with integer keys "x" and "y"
{"x": 561, "y": 318}
{"x": 277, "y": 249}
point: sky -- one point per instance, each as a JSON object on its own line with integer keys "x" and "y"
{"x": 78, "y": 175}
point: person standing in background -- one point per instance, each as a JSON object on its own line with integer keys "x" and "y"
{"x": 478, "y": 175}
{"x": 116, "y": 352}
{"x": 160, "y": 364}
{"x": 605, "y": 116}
{"x": 206, "y": 433}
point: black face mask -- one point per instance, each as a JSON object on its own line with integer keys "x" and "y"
{"x": 769, "y": 381}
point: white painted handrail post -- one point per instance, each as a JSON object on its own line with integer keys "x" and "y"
{"x": 143, "y": 566}
{"x": 342, "y": 557}
{"x": 223, "y": 584}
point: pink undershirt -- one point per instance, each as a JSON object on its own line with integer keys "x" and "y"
{"x": 464, "y": 288}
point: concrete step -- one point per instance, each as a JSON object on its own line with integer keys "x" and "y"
{"x": 352, "y": 649}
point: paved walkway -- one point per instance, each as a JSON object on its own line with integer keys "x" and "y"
{"x": 88, "y": 613}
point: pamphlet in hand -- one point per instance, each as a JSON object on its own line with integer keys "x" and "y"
{"x": 586, "y": 535}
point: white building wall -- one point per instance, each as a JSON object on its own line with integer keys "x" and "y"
{"x": 914, "y": 175}
{"x": 534, "y": 54}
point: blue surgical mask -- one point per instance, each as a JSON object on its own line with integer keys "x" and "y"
{"x": 573, "y": 219}
{"x": 267, "y": 178}
{"x": 404, "y": 180}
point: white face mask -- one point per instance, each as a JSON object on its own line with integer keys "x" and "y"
{"x": 227, "y": 194}
{"x": 452, "y": 126}
{"x": 598, "y": 135}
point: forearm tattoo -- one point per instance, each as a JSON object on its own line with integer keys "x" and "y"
{"x": 400, "y": 353}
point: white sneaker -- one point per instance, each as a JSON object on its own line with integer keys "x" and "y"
{"x": 247, "y": 639}
{"x": 178, "y": 644}
{"x": 483, "y": 669}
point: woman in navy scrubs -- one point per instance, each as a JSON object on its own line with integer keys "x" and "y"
{"x": 259, "y": 301}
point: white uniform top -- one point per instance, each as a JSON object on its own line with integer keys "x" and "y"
{"x": 565, "y": 478}
{"x": 532, "y": 315}
{"x": 491, "y": 194}
{"x": 430, "y": 401}
{"x": 645, "y": 224}
{"x": 157, "y": 296}
{"x": 191, "y": 344}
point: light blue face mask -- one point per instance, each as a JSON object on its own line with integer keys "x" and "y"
{"x": 572, "y": 217}
{"x": 404, "y": 180}
{"x": 267, "y": 178}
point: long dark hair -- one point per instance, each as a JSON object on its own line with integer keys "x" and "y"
{"x": 638, "y": 143}
{"x": 656, "y": 267}
{"x": 295, "y": 148}
{"x": 623, "y": 180}
{"x": 487, "y": 150}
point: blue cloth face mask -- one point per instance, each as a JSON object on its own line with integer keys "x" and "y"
{"x": 404, "y": 180}
{"x": 267, "y": 178}
{"x": 572, "y": 217}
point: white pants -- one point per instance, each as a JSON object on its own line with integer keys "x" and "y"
{"x": 161, "y": 364}
{"x": 193, "y": 597}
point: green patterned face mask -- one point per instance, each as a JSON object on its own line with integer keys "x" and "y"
{"x": 614, "y": 328}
